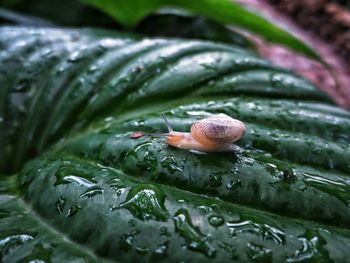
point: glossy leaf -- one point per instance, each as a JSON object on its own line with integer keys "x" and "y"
{"x": 97, "y": 194}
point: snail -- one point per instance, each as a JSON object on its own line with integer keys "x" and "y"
{"x": 212, "y": 134}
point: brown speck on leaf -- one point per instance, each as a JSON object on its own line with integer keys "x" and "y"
{"x": 136, "y": 135}
{"x": 138, "y": 68}
{"x": 286, "y": 174}
{"x": 32, "y": 152}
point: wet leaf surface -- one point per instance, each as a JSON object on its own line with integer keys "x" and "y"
{"x": 98, "y": 193}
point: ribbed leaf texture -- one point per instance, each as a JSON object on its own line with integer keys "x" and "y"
{"x": 73, "y": 98}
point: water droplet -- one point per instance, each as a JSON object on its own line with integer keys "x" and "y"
{"x": 246, "y": 161}
{"x": 216, "y": 221}
{"x": 70, "y": 174}
{"x": 132, "y": 222}
{"x": 74, "y": 57}
{"x": 215, "y": 207}
{"x": 230, "y": 250}
{"x": 205, "y": 209}
{"x": 234, "y": 184}
{"x": 258, "y": 253}
{"x": 194, "y": 239}
{"x": 164, "y": 232}
{"x": 235, "y": 170}
{"x": 215, "y": 179}
{"x": 60, "y": 203}
{"x": 73, "y": 210}
{"x": 171, "y": 165}
{"x": 208, "y": 62}
{"x": 141, "y": 250}
{"x": 302, "y": 188}
{"x": 36, "y": 261}
{"x": 93, "y": 68}
{"x": 312, "y": 249}
{"x": 107, "y": 43}
{"x": 144, "y": 157}
{"x": 78, "y": 180}
{"x": 323, "y": 184}
{"x": 116, "y": 184}
{"x": 23, "y": 85}
{"x": 161, "y": 249}
{"x": 127, "y": 240}
{"x": 198, "y": 113}
{"x": 92, "y": 191}
{"x": 10, "y": 243}
{"x": 265, "y": 231}
{"x": 146, "y": 202}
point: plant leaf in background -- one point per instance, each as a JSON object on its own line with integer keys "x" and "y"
{"x": 126, "y": 12}
{"x": 168, "y": 22}
{"x": 19, "y": 19}
{"x": 229, "y": 12}
{"x": 129, "y": 13}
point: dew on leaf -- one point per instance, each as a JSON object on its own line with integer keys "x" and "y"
{"x": 234, "y": 184}
{"x": 70, "y": 174}
{"x": 78, "y": 180}
{"x": 205, "y": 209}
{"x": 144, "y": 157}
{"x": 10, "y": 243}
{"x": 92, "y": 191}
{"x": 342, "y": 192}
{"x": 146, "y": 202}
{"x": 216, "y": 221}
{"x": 215, "y": 179}
{"x": 265, "y": 231}
{"x": 164, "y": 231}
{"x": 116, "y": 184}
{"x": 312, "y": 249}
{"x": 170, "y": 163}
{"x": 258, "y": 253}
{"x": 141, "y": 250}
{"x": 73, "y": 210}
{"x": 127, "y": 240}
{"x": 60, "y": 203}
{"x": 161, "y": 249}
{"x": 132, "y": 222}
{"x": 195, "y": 240}
{"x": 229, "y": 249}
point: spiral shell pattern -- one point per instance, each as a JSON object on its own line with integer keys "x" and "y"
{"x": 217, "y": 129}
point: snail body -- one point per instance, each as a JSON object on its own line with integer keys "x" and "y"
{"x": 213, "y": 134}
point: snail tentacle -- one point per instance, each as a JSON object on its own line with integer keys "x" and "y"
{"x": 167, "y": 123}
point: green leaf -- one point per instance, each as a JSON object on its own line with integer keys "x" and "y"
{"x": 129, "y": 13}
{"x": 73, "y": 98}
{"x": 26, "y": 237}
{"x": 177, "y": 23}
{"x": 126, "y": 12}
{"x": 231, "y": 13}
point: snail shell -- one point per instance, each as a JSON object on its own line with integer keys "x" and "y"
{"x": 213, "y": 134}
{"x": 217, "y": 129}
